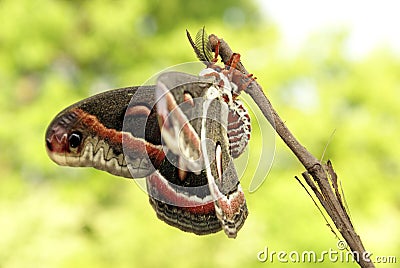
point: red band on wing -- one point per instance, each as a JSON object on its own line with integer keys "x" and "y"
{"x": 134, "y": 144}
{"x": 160, "y": 189}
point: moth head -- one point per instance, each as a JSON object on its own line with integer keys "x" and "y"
{"x": 64, "y": 138}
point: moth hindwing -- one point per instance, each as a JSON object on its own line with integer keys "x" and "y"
{"x": 194, "y": 127}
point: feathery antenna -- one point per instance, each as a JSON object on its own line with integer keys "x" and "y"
{"x": 201, "y": 46}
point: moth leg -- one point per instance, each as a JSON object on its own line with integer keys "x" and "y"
{"x": 216, "y": 52}
{"x": 250, "y": 78}
{"x": 237, "y": 77}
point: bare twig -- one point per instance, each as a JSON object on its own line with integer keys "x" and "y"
{"x": 321, "y": 177}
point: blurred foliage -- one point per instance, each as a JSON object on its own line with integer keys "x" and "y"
{"x": 53, "y": 53}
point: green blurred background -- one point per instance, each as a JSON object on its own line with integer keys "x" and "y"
{"x": 54, "y": 53}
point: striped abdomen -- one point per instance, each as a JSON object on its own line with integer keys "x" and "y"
{"x": 239, "y": 128}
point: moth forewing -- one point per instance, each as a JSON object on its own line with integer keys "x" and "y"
{"x": 90, "y": 132}
{"x": 179, "y": 109}
{"x": 230, "y": 204}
